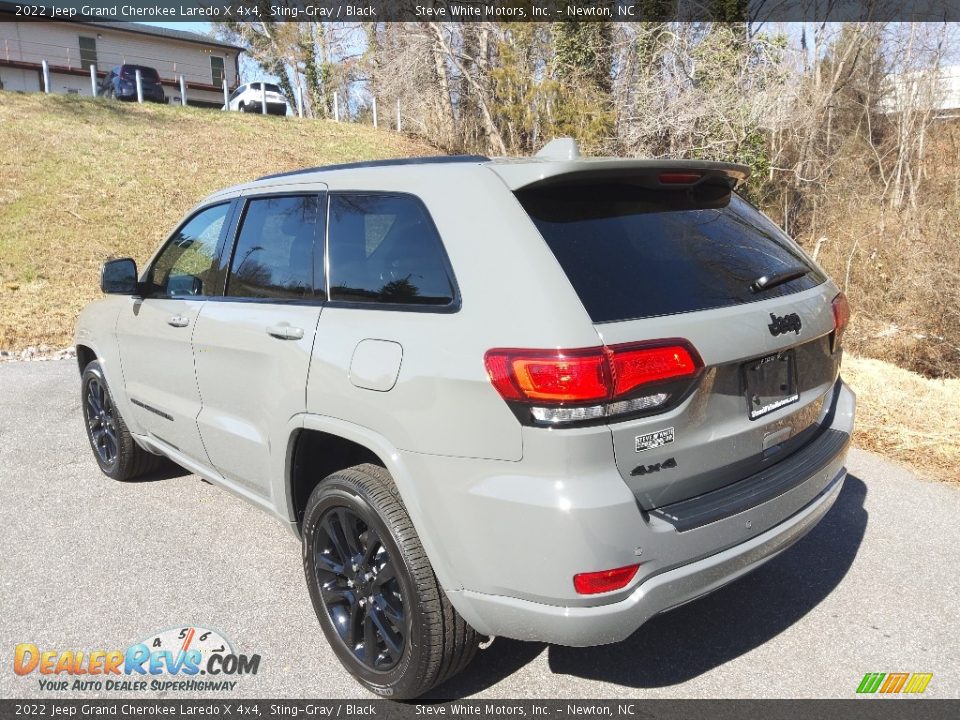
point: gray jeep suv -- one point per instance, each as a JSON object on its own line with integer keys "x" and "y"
{"x": 542, "y": 398}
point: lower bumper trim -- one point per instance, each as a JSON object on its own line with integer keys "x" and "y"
{"x": 759, "y": 488}
{"x": 598, "y": 625}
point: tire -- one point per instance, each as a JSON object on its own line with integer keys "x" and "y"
{"x": 419, "y": 639}
{"x": 114, "y": 448}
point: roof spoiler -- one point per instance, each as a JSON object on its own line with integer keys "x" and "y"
{"x": 559, "y": 162}
{"x": 560, "y": 149}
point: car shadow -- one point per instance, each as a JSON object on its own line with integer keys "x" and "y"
{"x": 168, "y": 470}
{"x": 699, "y": 636}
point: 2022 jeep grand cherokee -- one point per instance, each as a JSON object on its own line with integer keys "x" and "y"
{"x": 541, "y": 398}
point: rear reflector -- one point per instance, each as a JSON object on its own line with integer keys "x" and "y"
{"x": 592, "y": 583}
{"x": 841, "y": 317}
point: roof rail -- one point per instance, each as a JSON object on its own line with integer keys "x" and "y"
{"x": 434, "y": 160}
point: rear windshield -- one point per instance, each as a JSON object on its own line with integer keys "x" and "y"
{"x": 633, "y": 252}
{"x": 146, "y": 73}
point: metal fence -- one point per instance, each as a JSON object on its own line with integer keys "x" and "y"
{"x": 34, "y": 52}
{"x": 94, "y": 90}
{"x": 53, "y": 58}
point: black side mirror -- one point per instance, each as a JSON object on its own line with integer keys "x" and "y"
{"x": 119, "y": 277}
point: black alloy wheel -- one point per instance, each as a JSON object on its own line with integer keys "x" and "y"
{"x": 378, "y": 601}
{"x": 360, "y": 589}
{"x": 114, "y": 448}
{"x": 99, "y": 413}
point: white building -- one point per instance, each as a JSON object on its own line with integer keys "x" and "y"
{"x": 939, "y": 92}
{"x": 71, "y": 47}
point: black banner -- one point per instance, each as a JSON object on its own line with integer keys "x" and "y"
{"x": 754, "y": 11}
{"x": 864, "y": 709}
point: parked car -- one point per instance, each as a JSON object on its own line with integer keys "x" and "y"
{"x": 121, "y": 83}
{"x": 249, "y": 98}
{"x": 570, "y": 396}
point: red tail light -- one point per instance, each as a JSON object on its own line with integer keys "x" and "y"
{"x": 559, "y": 386}
{"x": 841, "y": 317}
{"x": 549, "y": 375}
{"x": 592, "y": 583}
{"x": 633, "y": 368}
{"x": 679, "y": 178}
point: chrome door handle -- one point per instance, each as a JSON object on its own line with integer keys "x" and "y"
{"x": 178, "y": 321}
{"x": 285, "y": 332}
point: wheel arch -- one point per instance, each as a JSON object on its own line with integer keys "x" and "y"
{"x": 314, "y": 455}
{"x": 348, "y": 441}
{"x": 85, "y": 356}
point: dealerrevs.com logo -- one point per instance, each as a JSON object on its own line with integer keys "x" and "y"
{"x": 185, "y": 659}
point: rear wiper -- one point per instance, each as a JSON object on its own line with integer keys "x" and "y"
{"x": 765, "y": 282}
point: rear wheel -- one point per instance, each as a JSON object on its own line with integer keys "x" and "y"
{"x": 114, "y": 448}
{"x": 373, "y": 589}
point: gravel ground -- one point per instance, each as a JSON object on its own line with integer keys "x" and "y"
{"x": 91, "y": 564}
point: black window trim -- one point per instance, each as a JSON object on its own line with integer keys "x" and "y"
{"x": 242, "y": 203}
{"x": 452, "y": 307}
{"x": 218, "y": 278}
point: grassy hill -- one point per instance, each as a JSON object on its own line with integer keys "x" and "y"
{"x": 84, "y": 179}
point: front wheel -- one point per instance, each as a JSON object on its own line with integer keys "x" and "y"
{"x": 114, "y": 448}
{"x": 373, "y": 589}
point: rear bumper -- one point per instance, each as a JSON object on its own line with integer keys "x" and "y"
{"x": 514, "y": 539}
{"x": 585, "y": 626}
{"x": 148, "y": 95}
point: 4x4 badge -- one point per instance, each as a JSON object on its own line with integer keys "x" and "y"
{"x": 781, "y": 325}
{"x": 667, "y": 464}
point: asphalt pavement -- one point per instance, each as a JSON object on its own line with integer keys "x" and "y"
{"x": 89, "y": 563}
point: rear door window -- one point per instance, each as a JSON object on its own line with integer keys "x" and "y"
{"x": 632, "y": 252}
{"x": 385, "y": 249}
{"x": 276, "y": 254}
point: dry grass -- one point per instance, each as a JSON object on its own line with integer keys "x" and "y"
{"x": 907, "y": 417}
{"x": 899, "y": 267}
{"x": 82, "y": 179}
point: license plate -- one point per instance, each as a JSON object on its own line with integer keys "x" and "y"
{"x": 771, "y": 383}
